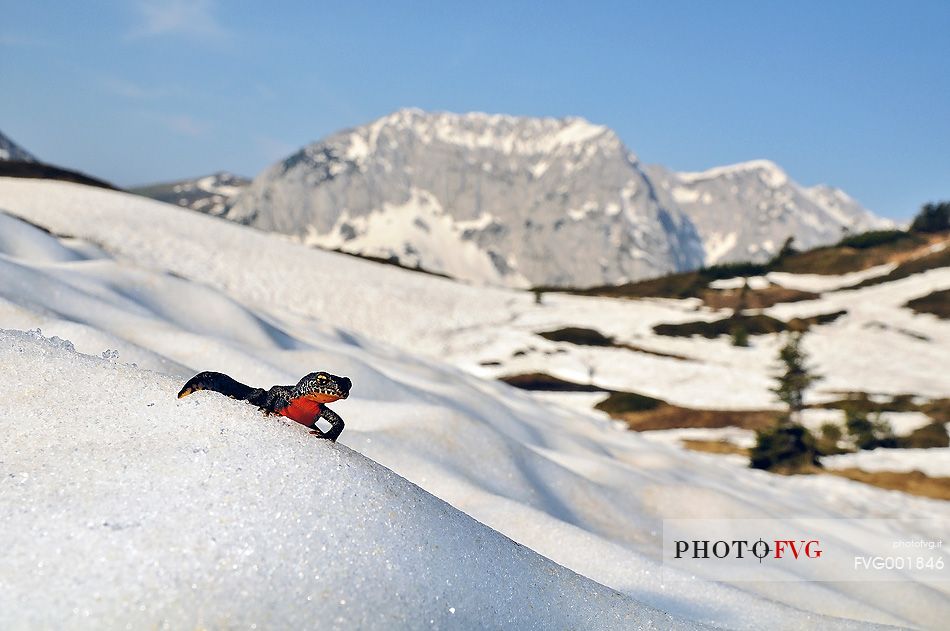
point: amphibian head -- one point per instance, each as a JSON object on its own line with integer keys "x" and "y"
{"x": 322, "y": 387}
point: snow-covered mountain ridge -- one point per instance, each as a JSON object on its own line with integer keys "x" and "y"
{"x": 746, "y": 211}
{"x": 9, "y": 150}
{"x": 532, "y": 201}
{"x": 211, "y": 194}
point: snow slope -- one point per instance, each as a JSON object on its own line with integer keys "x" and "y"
{"x": 176, "y": 292}
{"x": 933, "y": 462}
{"x": 123, "y": 508}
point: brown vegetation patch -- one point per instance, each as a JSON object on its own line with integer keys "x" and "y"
{"x": 861, "y": 402}
{"x": 937, "y": 409}
{"x": 745, "y": 298}
{"x": 912, "y": 482}
{"x": 696, "y": 285}
{"x": 548, "y": 383}
{"x": 683, "y": 285}
{"x": 909, "y": 267}
{"x": 578, "y": 335}
{"x": 644, "y": 413}
{"x": 667, "y": 416}
{"x": 680, "y": 285}
{"x": 590, "y": 337}
{"x": 853, "y": 254}
{"x": 759, "y": 324}
{"x": 714, "y": 447}
{"x": 933, "y": 435}
{"x": 936, "y": 303}
{"x": 842, "y": 259}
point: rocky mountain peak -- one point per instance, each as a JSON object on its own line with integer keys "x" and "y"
{"x": 484, "y": 197}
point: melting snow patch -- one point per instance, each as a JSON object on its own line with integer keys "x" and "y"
{"x": 934, "y": 462}
{"x": 821, "y": 282}
{"x": 754, "y": 282}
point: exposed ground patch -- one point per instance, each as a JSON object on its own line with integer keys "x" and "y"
{"x": 912, "y": 482}
{"x": 682, "y": 285}
{"x": 936, "y": 303}
{"x": 591, "y": 337}
{"x": 759, "y": 324}
{"x": 746, "y": 298}
{"x": 856, "y": 253}
{"x": 937, "y": 409}
{"x": 547, "y": 383}
{"x": 714, "y": 447}
{"x": 644, "y": 413}
{"x": 933, "y": 260}
{"x": 852, "y": 254}
{"x": 668, "y": 416}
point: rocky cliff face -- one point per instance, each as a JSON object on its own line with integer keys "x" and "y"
{"x": 486, "y": 198}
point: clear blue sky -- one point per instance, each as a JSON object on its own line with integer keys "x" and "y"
{"x": 852, "y": 93}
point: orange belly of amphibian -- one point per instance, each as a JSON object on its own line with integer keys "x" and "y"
{"x": 303, "y": 410}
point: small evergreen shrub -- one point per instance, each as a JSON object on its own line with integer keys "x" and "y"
{"x": 933, "y": 217}
{"x": 740, "y": 336}
{"x": 866, "y": 433}
{"x": 788, "y": 249}
{"x": 796, "y": 377}
{"x": 786, "y": 448}
{"x": 732, "y": 270}
{"x": 829, "y": 438}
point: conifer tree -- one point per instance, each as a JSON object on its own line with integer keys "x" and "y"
{"x": 788, "y": 447}
{"x": 795, "y": 378}
{"x": 933, "y": 217}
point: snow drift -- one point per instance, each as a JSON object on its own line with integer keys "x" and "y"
{"x": 123, "y": 507}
